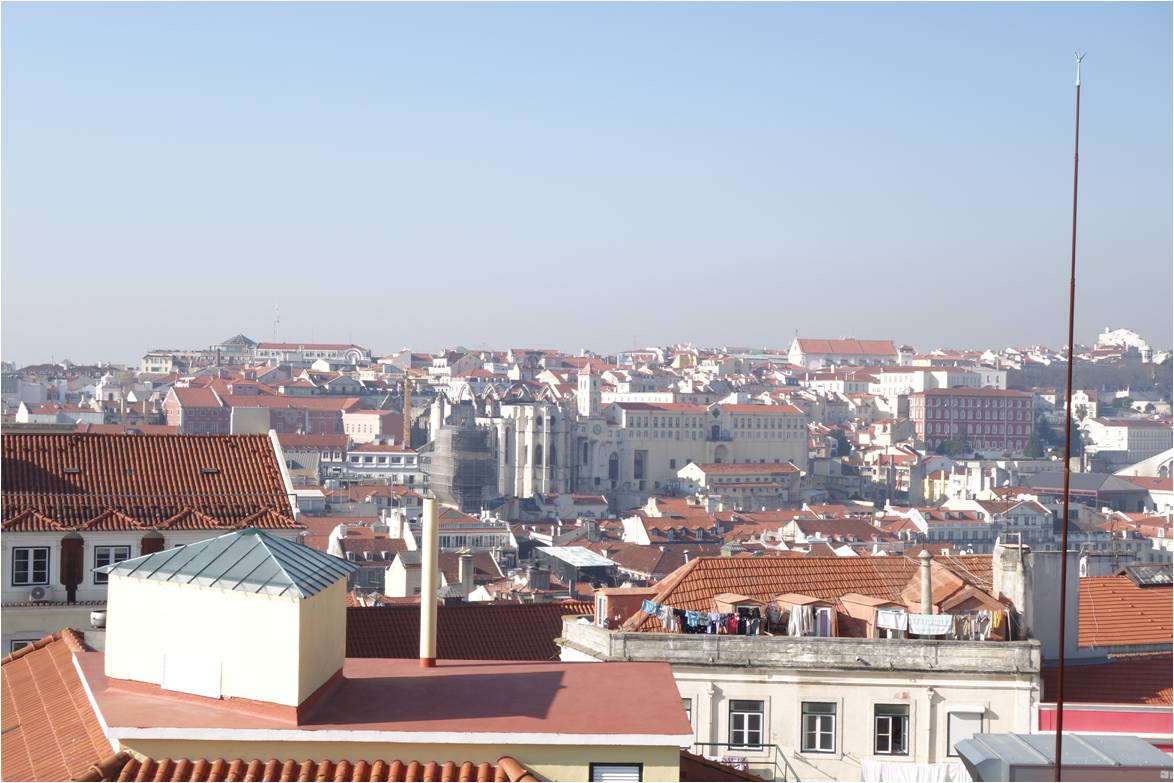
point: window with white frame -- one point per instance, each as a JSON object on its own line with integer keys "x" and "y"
{"x": 615, "y": 773}
{"x": 16, "y": 644}
{"x": 746, "y": 718}
{"x": 108, "y": 555}
{"x": 30, "y": 565}
{"x": 819, "y": 727}
{"x": 961, "y": 726}
{"x": 688, "y": 705}
{"x": 891, "y": 735}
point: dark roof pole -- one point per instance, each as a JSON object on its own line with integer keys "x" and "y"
{"x": 1067, "y": 442}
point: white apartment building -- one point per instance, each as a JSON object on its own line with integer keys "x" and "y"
{"x": 816, "y": 354}
{"x": 386, "y": 461}
{"x": 308, "y": 353}
{"x": 1126, "y": 440}
{"x": 818, "y": 706}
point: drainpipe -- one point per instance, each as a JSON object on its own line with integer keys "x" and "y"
{"x": 429, "y": 582}
{"x": 926, "y": 583}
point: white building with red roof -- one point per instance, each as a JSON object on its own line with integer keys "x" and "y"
{"x": 815, "y": 354}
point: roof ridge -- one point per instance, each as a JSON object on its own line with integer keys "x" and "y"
{"x": 73, "y": 639}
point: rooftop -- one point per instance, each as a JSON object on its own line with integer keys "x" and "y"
{"x": 248, "y": 560}
{"x": 1124, "y": 679}
{"x": 1115, "y": 611}
{"x": 693, "y": 585}
{"x": 848, "y": 346}
{"x": 125, "y": 767}
{"x": 73, "y": 478}
{"x": 49, "y": 730}
{"x": 393, "y": 700}
{"x": 747, "y": 468}
{"x": 803, "y": 652}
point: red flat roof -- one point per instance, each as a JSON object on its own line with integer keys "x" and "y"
{"x": 395, "y": 695}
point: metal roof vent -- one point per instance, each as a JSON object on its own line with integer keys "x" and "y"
{"x": 209, "y": 471}
{"x": 72, "y": 471}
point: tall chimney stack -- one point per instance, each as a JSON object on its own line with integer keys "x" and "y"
{"x": 465, "y": 570}
{"x": 429, "y": 582}
{"x": 926, "y": 582}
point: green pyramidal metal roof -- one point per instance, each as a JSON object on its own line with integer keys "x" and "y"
{"x": 248, "y": 560}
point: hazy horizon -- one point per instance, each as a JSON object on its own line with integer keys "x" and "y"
{"x": 579, "y": 176}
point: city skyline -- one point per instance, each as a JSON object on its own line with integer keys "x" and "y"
{"x": 398, "y": 175}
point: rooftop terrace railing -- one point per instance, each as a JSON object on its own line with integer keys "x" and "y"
{"x": 774, "y": 766}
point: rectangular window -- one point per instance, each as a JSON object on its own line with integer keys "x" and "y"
{"x": 615, "y": 773}
{"x": 108, "y": 555}
{"x": 16, "y": 644}
{"x": 891, "y": 736}
{"x": 962, "y": 726}
{"x": 30, "y": 565}
{"x": 745, "y": 724}
{"x": 819, "y": 727}
{"x": 688, "y": 705}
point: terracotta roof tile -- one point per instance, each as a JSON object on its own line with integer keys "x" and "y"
{"x": 1115, "y": 611}
{"x": 73, "y": 478}
{"x": 745, "y": 468}
{"x": 30, "y": 521}
{"x": 693, "y": 585}
{"x": 50, "y": 731}
{"x": 1125, "y": 679}
{"x": 497, "y": 632}
{"x": 126, "y": 767}
{"x": 858, "y": 347}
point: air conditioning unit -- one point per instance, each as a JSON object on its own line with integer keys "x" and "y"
{"x": 39, "y": 594}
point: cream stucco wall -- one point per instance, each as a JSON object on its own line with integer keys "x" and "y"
{"x": 304, "y": 640}
{"x": 1007, "y": 703}
{"x": 322, "y": 637}
{"x": 549, "y": 762}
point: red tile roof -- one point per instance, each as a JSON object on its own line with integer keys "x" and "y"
{"x": 74, "y": 478}
{"x": 1115, "y": 611}
{"x": 125, "y": 767}
{"x": 693, "y": 585}
{"x": 307, "y": 346}
{"x": 196, "y": 397}
{"x": 300, "y": 442}
{"x": 497, "y": 632}
{"x": 963, "y": 391}
{"x": 318, "y": 528}
{"x": 860, "y": 347}
{"x": 324, "y": 403}
{"x": 1124, "y": 679}
{"x": 1150, "y": 483}
{"x": 747, "y": 468}
{"x": 49, "y": 731}
{"x": 861, "y": 529}
{"x": 780, "y": 408}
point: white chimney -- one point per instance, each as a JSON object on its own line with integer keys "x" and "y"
{"x": 429, "y": 582}
{"x": 926, "y": 582}
{"x": 465, "y": 566}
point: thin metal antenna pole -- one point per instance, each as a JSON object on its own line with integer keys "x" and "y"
{"x": 1067, "y": 443}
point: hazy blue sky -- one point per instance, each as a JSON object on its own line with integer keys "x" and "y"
{"x": 578, "y": 175}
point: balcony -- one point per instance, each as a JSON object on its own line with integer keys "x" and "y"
{"x": 719, "y": 437}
